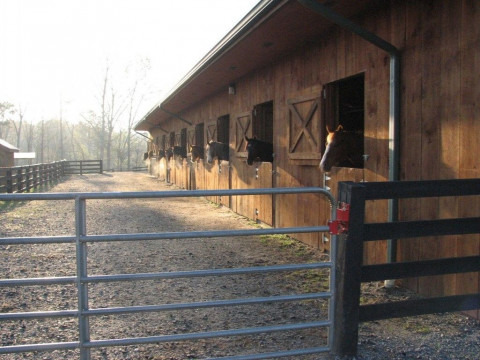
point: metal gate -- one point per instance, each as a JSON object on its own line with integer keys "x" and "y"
{"x": 82, "y": 280}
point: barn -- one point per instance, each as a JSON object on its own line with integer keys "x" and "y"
{"x": 404, "y": 74}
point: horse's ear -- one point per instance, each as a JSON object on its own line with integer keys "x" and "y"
{"x": 247, "y": 139}
{"x": 339, "y": 128}
{"x": 329, "y": 130}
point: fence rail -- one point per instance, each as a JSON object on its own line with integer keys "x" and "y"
{"x": 83, "y": 167}
{"x": 18, "y": 179}
{"x": 351, "y": 272}
{"x": 82, "y": 279}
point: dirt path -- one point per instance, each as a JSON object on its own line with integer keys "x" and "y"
{"x": 425, "y": 337}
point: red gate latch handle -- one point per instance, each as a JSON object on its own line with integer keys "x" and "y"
{"x": 340, "y": 225}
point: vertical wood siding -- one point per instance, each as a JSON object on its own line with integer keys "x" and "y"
{"x": 440, "y": 122}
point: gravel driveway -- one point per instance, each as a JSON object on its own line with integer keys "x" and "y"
{"x": 425, "y": 337}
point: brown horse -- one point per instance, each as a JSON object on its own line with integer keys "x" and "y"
{"x": 196, "y": 152}
{"x": 344, "y": 148}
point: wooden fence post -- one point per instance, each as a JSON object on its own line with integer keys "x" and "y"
{"x": 28, "y": 177}
{"x": 348, "y": 264}
{"x": 19, "y": 178}
{"x": 9, "y": 181}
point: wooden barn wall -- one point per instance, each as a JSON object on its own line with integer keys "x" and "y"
{"x": 440, "y": 123}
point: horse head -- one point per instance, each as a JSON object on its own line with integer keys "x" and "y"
{"x": 258, "y": 149}
{"x": 169, "y": 153}
{"x": 196, "y": 152}
{"x": 180, "y": 151}
{"x": 218, "y": 150}
{"x": 210, "y": 152}
{"x": 343, "y": 148}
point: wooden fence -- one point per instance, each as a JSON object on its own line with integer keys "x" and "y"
{"x": 83, "y": 167}
{"x": 351, "y": 273}
{"x": 19, "y": 179}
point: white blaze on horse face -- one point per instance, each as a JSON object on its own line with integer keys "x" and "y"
{"x": 324, "y": 166}
{"x": 330, "y": 137}
{"x": 323, "y": 162}
{"x": 209, "y": 155}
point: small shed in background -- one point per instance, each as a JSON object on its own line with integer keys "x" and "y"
{"x": 7, "y": 152}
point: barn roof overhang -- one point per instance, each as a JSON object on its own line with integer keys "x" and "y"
{"x": 272, "y": 29}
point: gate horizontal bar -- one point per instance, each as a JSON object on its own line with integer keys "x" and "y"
{"x": 205, "y": 335}
{"x": 39, "y": 281}
{"x": 37, "y": 240}
{"x": 165, "y": 194}
{"x": 165, "y": 307}
{"x": 205, "y": 304}
{"x": 272, "y": 355}
{"x": 204, "y": 273}
{"x": 420, "y": 268}
{"x": 161, "y": 275}
{"x": 407, "y": 229}
{"x": 39, "y": 347}
{"x": 38, "y": 314}
{"x": 419, "y": 307}
{"x": 202, "y": 234}
{"x": 160, "y": 236}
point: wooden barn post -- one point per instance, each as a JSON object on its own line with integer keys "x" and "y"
{"x": 348, "y": 264}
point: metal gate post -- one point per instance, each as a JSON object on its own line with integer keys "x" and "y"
{"x": 348, "y": 272}
{"x": 81, "y": 247}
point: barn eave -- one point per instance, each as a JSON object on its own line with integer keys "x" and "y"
{"x": 273, "y": 28}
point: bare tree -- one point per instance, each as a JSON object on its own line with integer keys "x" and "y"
{"x": 7, "y": 110}
{"x": 104, "y": 113}
{"x": 18, "y": 125}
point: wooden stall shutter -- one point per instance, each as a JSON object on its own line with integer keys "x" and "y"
{"x": 211, "y": 131}
{"x": 242, "y": 127}
{"x": 306, "y": 129}
{"x": 190, "y": 138}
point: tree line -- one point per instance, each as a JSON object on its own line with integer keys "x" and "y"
{"x": 105, "y": 132}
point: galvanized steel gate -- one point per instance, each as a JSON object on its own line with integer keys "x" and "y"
{"x": 82, "y": 279}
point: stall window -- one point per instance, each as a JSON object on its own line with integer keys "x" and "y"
{"x": 163, "y": 142}
{"x": 183, "y": 138}
{"x": 262, "y": 121}
{"x": 199, "y": 138}
{"x": 257, "y": 123}
{"x": 345, "y": 103}
{"x": 345, "y": 106}
{"x": 223, "y": 129}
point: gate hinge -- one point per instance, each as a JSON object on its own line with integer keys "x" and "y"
{"x": 340, "y": 225}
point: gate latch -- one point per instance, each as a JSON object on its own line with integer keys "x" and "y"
{"x": 340, "y": 225}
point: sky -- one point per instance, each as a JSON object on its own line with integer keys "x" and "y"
{"x": 53, "y": 53}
